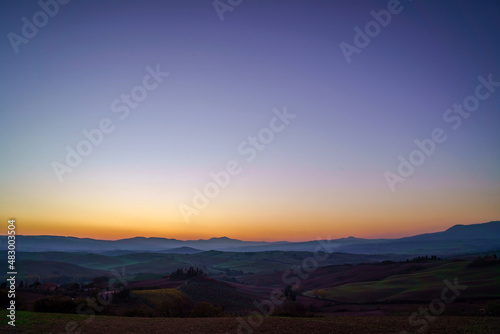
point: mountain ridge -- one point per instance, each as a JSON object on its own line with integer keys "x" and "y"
{"x": 458, "y": 238}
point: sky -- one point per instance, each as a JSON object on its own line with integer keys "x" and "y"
{"x": 255, "y": 120}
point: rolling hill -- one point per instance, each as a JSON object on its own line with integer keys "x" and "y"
{"x": 54, "y": 271}
{"x": 422, "y": 285}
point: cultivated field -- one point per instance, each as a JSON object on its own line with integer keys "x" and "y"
{"x": 28, "y": 322}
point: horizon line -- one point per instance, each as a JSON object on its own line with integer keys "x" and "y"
{"x": 225, "y": 237}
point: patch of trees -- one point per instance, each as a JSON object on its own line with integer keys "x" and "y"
{"x": 35, "y": 284}
{"x": 423, "y": 259}
{"x": 484, "y": 261}
{"x": 181, "y": 274}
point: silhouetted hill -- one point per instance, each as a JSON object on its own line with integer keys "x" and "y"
{"x": 458, "y": 239}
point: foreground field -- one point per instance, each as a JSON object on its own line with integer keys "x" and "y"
{"x": 28, "y": 322}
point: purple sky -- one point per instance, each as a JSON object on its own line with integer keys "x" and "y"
{"x": 323, "y": 174}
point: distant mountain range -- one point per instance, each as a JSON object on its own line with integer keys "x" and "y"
{"x": 459, "y": 239}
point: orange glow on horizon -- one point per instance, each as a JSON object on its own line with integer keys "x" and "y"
{"x": 249, "y": 215}
{"x": 258, "y": 232}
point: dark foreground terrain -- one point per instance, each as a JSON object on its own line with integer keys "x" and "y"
{"x": 28, "y": 322}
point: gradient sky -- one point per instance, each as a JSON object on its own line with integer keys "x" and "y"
{"x": 322, "y": 175}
